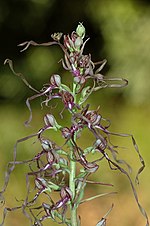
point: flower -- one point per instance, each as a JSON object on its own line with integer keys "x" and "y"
{"x": 66, "y": 195}
{"x": 67, "y": 99}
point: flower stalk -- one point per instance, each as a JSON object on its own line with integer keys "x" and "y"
{"x": 73, "y": 208}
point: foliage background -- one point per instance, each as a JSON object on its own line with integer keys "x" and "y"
{"x": 119, "y": 31}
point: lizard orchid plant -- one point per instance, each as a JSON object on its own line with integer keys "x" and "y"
{"x": 65, "y": 169}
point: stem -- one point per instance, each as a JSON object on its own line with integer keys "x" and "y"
{"x": 73, "y": 208}
{"x": 72, "y": 174}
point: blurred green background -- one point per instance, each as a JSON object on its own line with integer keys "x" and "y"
{"x": 120, "y": 32}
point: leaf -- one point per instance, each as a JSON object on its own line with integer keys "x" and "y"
{"x": 84, "y": 95}
{"x": 97, "y": 196}
{"x": 102, "y": 222}
{"x": 65, "y": 88}
{"x": 61, "y": 152}
{"x": 80, "y": 192}
{"x": 88, "y": 150}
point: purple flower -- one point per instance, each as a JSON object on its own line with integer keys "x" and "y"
{"x": 67, "y": 99}
{"x": 66, "y": 196}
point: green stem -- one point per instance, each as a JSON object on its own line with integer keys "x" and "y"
{"x": 74, "y": 217}
{"x": 72, "y": 174}
{"x": 73, "y": 209}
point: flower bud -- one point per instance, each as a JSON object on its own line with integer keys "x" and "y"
{"x": 49, "y": 120}
{"x": 40, "y": 183}
{"x": 80, "y": 30}
{"x": 46, "y": 144}
{"x": 79, "y": 79}
{"x": 55, "y": 80}
{"x": 50, "y": 157}
{"x": 66, "y": 132}
{"x": 78, "y": 43}
{"x": 68, "y": 43}
{"x": 65, "y": 192}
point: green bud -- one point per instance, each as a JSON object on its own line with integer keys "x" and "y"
{"x": 78, "y": 43}
{"x": 80, "y": 30}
